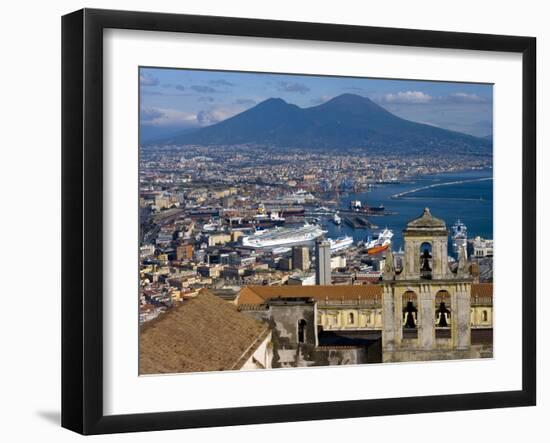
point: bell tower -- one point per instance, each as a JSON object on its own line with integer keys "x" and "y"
{"x": 425, "y": 240}
{"x": 426, "y": 306}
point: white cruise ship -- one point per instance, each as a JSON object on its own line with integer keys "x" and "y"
{"x": 340, "y": 243}
{"x": 278, "y": 237}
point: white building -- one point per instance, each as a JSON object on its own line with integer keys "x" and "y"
{"x": 338, "y": 261}
{"x": 302, "y": 279}
{"x": 482, "y": 247}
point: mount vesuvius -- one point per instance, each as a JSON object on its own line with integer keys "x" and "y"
{"x": 347, "y": 121}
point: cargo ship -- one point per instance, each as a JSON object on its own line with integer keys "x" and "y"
{"x": 376, "y": 209}
{"x": 381, "y": 243}
{"x": 269, "y": 219}
{"x": 279, "y": 237}
{"x": 340, "y": 243}
{"x": 355, "y": 205}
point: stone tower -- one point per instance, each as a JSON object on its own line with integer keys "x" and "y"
{"x": 426, "y": 306}
{"x": 425, "y": 240}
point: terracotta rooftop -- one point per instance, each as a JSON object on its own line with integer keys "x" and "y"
{"x": 482, "y": 289}
{"x": 482, "y": 293}
{"x": 257, "y": 295}
{"x": 204, "y": 333}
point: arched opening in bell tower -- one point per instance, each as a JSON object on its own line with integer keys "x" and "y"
{"x": 426, "y": 260}
{"x": 410, "y": 315}
{"x": 442, "y": 314}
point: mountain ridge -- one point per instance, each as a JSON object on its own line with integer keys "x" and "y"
{"x": 343, "y": 122}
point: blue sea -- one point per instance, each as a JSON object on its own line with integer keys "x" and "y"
{"x": 471, "y": 202}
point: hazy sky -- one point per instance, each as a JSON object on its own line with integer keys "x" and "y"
{"x": 176, "y": 99}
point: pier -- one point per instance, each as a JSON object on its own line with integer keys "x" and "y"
{"x": 366, "y": 211}
{"x": 437, "y": 185}
{"x": 358, "y": 222}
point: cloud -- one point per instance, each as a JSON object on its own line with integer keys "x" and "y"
{"x": 464, "y": 97}
{"x": 245, "y": 101}
{"x": 215, "y": 115}
{"x": 167, "y": 93}
{"x": 166, "y": 85}
{"x": 167, "y": 117}
{"x": 221, "y": 82}
{"x": 206, "y": 99}
{"x": 293, "y": 87}
{"x": 320, "y": 100}
{"x": 406, "y": 97}
{"x": 146, "y": 79}
{"x": 203, "y": 89}
{"x": 419, "y": 98}
{"x": 180, "y": 87}
{"x": 150, "y": 114}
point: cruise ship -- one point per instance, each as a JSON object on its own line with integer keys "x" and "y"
{"x": 279, "y": 237}
{"x": 299, "y": 197}
{"x": 459, "y": 236}
{"x": 340, "y": 243}
{"x": 381, "y": 243}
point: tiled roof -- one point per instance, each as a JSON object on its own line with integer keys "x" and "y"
{"x": 482, "y": 293}
{"x": 258, "y": 295}
{"x": 251, "y": 295}
{"x": 482, "y": 289}
{"x": 204, "y": 333}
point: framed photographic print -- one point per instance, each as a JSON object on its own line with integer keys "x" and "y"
{"x": 270, "y": 221}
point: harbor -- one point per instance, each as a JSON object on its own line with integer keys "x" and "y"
{"x": 441, "y": 192}
{"x": 389, "y": 205}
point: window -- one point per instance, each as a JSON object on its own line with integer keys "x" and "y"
{"x": 351, "y": 318}
{"x": 484, "y": 315}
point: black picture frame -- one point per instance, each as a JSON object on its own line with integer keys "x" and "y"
{"x": 82, "y": 218}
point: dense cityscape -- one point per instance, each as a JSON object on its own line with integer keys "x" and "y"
{"x": 201, "y": 206}
{"x": 292, "y": 221}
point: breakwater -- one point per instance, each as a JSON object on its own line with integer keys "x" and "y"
{"x": 437, "y": 185}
